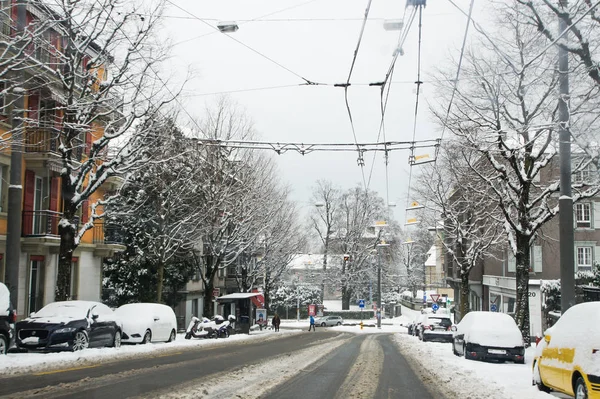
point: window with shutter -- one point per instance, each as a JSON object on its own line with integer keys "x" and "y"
{"x": 29, "y": 194}
{"x": 33, "y": 107}
{"x": 512, "y": 261}
{"x": 85, "y": 217}
{"x": 54, "y": 191}
{"x": 597, "y": 216}
{"x": 537, "y": 258}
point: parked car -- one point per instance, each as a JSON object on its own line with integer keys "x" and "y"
{"x": 8, "y": 317}
{"x": 147, "y": 322}
{"x": 69, "y": 325}
{"x": 328, "y": 321}
{"x": 416, "y": 324}
{"x": 567, "y": 359}
{"x": 488, "y": 336}
{"x": 435, "y": 327}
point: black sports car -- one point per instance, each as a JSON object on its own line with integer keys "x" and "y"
{"x": 69, "y": 325}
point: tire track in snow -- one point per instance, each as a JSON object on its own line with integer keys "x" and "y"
{"x": 252, "y": 381}
{"x": 363, "y": 379}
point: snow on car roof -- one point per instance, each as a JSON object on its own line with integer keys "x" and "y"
{"x": 4, "y": 300}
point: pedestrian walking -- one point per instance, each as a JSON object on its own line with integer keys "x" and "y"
{"x": 276, "y": 322}
{"x": 312, "y": 323}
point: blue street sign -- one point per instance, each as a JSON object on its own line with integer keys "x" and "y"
{"x": 435, "y": 307}
{"x": 361, "y": 303}
{"x": 494, "y": 308}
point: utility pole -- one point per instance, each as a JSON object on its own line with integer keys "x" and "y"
{"x": 378, "y": 288}
{"x": 565, "y": 202}
{"x": 15, "y": 188}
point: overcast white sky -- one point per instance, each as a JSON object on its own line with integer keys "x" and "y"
{"x": 316, "y": 39}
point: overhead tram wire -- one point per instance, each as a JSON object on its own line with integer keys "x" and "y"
{"x": 388, "y": 81}
{"x": 418, "y": 83}
{"x": 244, "y": 21}
{"x": 361, "y": 161}
{"x": 306, "y": 148}
{"x": 309, "y": 82}
{"x": 460, "y": 60}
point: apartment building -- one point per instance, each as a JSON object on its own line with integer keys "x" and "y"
{"x": 42, "y": 201}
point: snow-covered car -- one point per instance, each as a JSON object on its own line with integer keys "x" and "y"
{"x": 435, "y": 328}
{"x": 567, "y": 359}
{"x": 329, "y": 321}
{"x": 416, "y": 324}
{"x": 482, "y": 335}
{"x": 69, "y": 325}
{"x": 8, "y": 318}
{"x": 147, "y": 322}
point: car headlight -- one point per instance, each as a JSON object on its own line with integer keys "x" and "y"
{"x": 65, "y": 330}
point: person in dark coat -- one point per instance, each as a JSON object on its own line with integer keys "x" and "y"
{"x": 276, "y": 322}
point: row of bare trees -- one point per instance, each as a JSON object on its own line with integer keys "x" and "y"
{"x": 207, "y": 209}
{"x": 496, "y": 180}
{"x": 345, "y": 223}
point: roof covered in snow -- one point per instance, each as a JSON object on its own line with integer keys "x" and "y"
{"x": 432, "y": 256}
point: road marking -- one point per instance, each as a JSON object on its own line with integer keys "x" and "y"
{"x": 65, "y": 370}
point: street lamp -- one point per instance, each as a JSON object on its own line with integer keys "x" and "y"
{"x": 380, "y": 245}
{"x": 227, "y": 26}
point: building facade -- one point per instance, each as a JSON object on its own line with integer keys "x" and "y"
{"x": 42, "y": 201}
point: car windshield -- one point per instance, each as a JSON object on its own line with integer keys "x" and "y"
{"x": 62, "y": 309}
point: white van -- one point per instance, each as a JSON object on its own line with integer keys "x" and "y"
{"x": 147, "y": 322}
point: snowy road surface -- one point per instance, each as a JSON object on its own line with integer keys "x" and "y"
{"x": 326, "y": 363}
{"x": 337, "y": 362}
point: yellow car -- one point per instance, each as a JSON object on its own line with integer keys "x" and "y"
{"x": 567, "y": 359}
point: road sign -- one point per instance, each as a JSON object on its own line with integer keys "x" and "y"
{"x": 435, "y": 307}
{"x": 361, "y": 303}
{"x": 494, "y": 308}
{"x": 435, "y": 297}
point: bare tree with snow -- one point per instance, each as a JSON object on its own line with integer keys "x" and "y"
{"x": 505, "y": 110}
{"x": 325, "y": 198}
{"x": 98, "y": 89}
{"x": 458, "y": 204}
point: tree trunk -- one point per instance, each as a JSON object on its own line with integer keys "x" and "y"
{"x": 346, "y": 294}
{"x": 522, "y": 281}
{"x": 65, "y": 256}
{"x": 159, "y": 282}
{"x": 208, "y": 298}
{"x": 266, "y": 295}
{"x": 464, "y": 294}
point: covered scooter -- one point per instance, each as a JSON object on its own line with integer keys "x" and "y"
{"x": 217, "y": 327}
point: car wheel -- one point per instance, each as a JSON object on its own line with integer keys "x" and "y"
{"x": 537, "y": 379}
{"x": 117, "y": 339}
{"x": 581, "y": 391}
{"x": 322, "y": 324}
{"x": 338, "y": 323}
{"x": 80, "y": 341}
{"x": 147, "y": 337}
{"x": 173, "y": 335}
{"x": 3, "y": 345}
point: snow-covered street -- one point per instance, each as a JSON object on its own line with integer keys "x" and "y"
{"x": 19, "y": 363}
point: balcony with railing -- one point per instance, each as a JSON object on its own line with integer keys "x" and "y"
{"x": 46, "y": 140}
{"x": 108, "y": 233}
{"x": 42, "y": 223}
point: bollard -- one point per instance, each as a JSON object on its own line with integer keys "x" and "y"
{"x": 361, "y": 325}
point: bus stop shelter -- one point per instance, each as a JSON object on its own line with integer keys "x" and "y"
{"x": 243, "y": 306}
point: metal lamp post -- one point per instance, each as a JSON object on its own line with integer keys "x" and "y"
{"x": 379, "y": 307}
